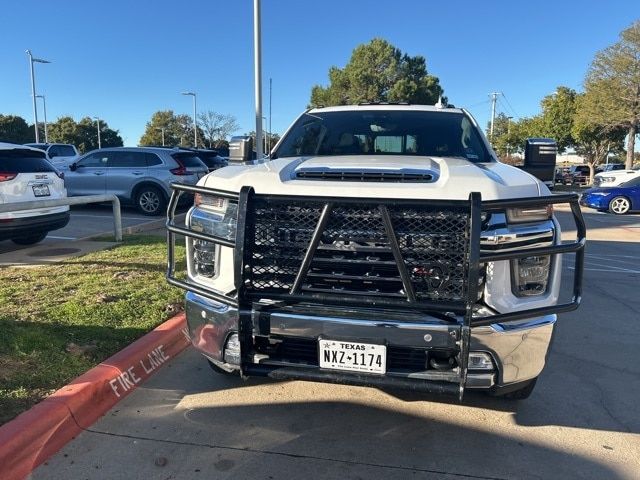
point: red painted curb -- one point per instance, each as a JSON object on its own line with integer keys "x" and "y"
{"x": 38, "y": 433}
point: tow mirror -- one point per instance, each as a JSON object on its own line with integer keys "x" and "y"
{"x": 241, "y": 150}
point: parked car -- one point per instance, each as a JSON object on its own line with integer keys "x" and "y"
{"x": 619, "y": 200}
{"x": 559, "y": 174}
{"x": 140, "y": 176}
{"x": 61, "y": 155}
{"x": 336, "y": 258}
{"x": 612, "y": 179}
{"x": 610, "y": 167}
{"x": 577, "y": 175}
{"x": 26, "y": 175}
{"x": 210, "y": 158}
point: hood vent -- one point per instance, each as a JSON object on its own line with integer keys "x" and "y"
{"x": 364, "y": 176}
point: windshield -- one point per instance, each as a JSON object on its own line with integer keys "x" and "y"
{"x": 378, "y": 132}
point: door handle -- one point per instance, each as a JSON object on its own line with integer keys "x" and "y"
{"x": 98, "y": 173}
{"x": 137, "y": 173}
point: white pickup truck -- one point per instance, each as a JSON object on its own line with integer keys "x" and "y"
{"x": 380, "y": 245}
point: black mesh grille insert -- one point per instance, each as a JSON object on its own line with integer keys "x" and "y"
{"x": 354, "y": 255}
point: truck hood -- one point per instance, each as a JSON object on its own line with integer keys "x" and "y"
{"x": 452, "y": 178}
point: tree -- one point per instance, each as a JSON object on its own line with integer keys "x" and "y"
{"x": 177, "y": 129}
{"x": 593, "y": 140}
{"x": 217, "y": 127}
{"x": 83, "y": 134}
{"x": 14, "y": 129}
{"x": 558, "y": 111}
{"x": 379, "y": 72}
{"x": 87, "y": 135}
{"x": 613, "y": 81}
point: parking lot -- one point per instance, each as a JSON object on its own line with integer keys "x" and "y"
{"x": 87, "y": 221}
{"x": 581, "y": 422}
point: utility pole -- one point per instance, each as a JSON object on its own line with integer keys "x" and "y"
{"x": 257, "y": 56}
{"x": 494, "y": 99}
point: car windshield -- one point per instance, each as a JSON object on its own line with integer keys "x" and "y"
{"x": 383, "y": 132}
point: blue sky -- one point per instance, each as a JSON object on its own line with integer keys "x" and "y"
{"x": 123, "y": 60}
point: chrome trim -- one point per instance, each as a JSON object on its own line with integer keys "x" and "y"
{"x": 513, "y": 237}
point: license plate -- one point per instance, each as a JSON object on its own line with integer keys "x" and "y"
{"x": 41, "y": 190}
{"x": 353, "y": 357}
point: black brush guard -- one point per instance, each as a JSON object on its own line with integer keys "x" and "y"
{"x": 459, "y": 299}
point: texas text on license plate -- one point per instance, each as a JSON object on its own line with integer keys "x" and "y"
{"x": 354, "y": 357}
{"x": 41, "y": 190}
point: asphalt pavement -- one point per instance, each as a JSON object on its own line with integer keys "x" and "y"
{"x": 582, "y": 421}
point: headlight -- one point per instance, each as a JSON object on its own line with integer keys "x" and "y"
{"x": 607, "y": 179}
{"x": 216, "y": 218}
{"x": 531, "y": 275}
{"x": 529, "y": 214}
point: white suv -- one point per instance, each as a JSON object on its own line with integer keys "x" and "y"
{"x": 61, "y": 155}
{"x": 26, "y": 175}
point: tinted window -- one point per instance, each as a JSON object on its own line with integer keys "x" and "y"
{"x": 188, "y": 160}
{"x": 12, "y": 161}
{"x": 378, "y": 132}
{"x": 98, "y": 159}
{"x": 53, "y": 151}
{"x": 152, "y": 159}
{"x": 127, "y": 159}
{"x": 66, "y": 150}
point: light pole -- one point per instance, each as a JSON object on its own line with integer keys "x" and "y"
{"x": 195, "y": 121}
{"x": 266, "y": 135}
{"x": 33, "y": 91}
{"x": 508, "y": 134}
{"x": 98, "y": 127}
{"x": 257, "y": 57}
{"x": 44, "y": 107}
{"x": 161, "y": 130}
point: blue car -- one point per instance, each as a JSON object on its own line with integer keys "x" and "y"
{"x": 618, "y": 200}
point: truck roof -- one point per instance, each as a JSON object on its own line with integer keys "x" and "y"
{"x": 383, "y": 107}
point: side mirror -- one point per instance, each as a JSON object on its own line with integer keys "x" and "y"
{"x": 241, "y": 150}
{"x": 73, "y": 167}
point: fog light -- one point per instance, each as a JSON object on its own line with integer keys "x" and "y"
{"x": 531, "y": 275}
{"x": 232, "y": 350}
{"x": 480, "y": 361}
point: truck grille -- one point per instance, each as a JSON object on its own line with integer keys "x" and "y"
{"x": 354, "y": 255}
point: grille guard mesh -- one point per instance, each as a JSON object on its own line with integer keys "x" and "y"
{"x": 293, "y": 234}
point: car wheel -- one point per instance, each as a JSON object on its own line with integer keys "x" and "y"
{"x": 619, "y": 205}
{"x": 150, "y": 201}
{"x": 29, "y": 240}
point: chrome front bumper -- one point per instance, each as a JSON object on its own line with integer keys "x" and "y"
{"x": 519, "y": 349}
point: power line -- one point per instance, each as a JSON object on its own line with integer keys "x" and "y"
{"x": 510, "y": 106}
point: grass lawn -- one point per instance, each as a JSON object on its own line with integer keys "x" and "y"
{"x": 58, "y": 321}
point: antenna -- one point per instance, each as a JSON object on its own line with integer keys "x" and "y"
{"x": 439, "y": 104}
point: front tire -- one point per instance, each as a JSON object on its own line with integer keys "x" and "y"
{"x": 619, "y": 205}
{"x": 29, "y": 240}
{"x": 150, "y": 201}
